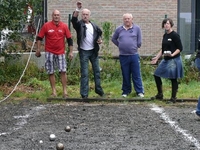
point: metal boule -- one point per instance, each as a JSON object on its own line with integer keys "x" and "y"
{"x": 67, "y": 128}
{"x": 59, "y": 146}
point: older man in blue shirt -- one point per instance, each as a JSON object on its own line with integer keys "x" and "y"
{"x": 128, "y": 39}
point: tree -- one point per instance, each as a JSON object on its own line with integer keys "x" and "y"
{"x": 13, "y": 12}
{"x": 16, "y": 15}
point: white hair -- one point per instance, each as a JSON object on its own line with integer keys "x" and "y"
{"x": 87, "y": 10}
{"x": 127, "y": 14}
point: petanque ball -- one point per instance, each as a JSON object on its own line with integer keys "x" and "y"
{"x": 59, "y": 146}
{"x": 67, "y": 128}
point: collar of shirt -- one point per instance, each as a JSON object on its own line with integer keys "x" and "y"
{"x": 127, "y": 28}
{"x": 55, "y": 23}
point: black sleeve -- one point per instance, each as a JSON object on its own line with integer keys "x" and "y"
{"x": 199, "y": 44}
{"x": 38, "y": 38}
{"x": 99, "y": 31}
{"x": 75, "y": 22}
{"x": 178, "y": 42}
{"x": 70, "y": 41}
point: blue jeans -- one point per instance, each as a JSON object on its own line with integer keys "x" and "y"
{"x": 130, "y": 66}
{"x": 197, "y": 63}
{"x": 198, "y": 108}
{"x": 85, "y": 57}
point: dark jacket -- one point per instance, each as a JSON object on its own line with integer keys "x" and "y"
{"x": 198, "y": 51}
{"x": 80, "y": 28}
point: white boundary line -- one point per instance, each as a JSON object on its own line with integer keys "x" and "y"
{"x": 174, "y": 125}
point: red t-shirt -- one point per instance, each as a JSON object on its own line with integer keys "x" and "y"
{"x": 55, "y": 37}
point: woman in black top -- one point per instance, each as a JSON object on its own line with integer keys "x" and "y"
{"x": 171, "y": 66}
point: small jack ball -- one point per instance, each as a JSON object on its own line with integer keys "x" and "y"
{"x": 59, "y": 146}
{"x": 40, "y": 141}
{"x": 67, "y": 129}
{"x": 52, "y": 137}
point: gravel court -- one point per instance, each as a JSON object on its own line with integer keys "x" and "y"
{"x": 123, "y": 126}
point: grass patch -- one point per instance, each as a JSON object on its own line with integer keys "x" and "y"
{"x": 35, "y": 83}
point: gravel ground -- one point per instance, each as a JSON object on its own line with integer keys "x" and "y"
{"x": 27, "y": 125}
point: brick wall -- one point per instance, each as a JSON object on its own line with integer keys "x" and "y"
{"x": 148, "y": 14}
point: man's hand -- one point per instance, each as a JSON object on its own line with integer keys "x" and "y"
{"x": 79, "y": 5}
{"x": 99, "y": 41}
{"x": 70, "y": 56}
{"x": 37, "y": 53}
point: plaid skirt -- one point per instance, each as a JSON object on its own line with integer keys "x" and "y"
{"x": 171, "y": 69}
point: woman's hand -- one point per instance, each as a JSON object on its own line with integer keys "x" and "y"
{"x": 154, "y": 60}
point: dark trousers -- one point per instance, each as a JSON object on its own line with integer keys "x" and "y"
{"x": 130, "y": 66}
{"x": 85, "y": 57}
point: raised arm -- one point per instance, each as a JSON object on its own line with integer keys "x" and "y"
{"x": 75, "y": 15}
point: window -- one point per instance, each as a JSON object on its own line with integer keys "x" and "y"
{"x": 185, "y": 21}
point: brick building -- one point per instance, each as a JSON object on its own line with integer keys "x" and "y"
{"x": 148, "y": 14}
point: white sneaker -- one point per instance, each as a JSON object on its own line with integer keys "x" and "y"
{"x": 141, "y": 95}
{"x": 124, "y": 95}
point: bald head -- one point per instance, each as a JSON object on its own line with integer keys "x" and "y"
{"x": 56, "y": 16}
{"x": 86, "y": 15}
{"x": 55, "y": 12}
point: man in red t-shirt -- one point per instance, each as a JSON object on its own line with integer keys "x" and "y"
{"x": 55, "y": 33}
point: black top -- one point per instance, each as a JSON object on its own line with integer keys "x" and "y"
{"x": 171, "y": 42}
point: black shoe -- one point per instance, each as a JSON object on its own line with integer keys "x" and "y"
{"x": 159, "y": 96}
{"x": 84, "y": 96}
{"x": 84, "y": 99}
{"x": 172, "y": 100}
{"x": 101, "y": 94}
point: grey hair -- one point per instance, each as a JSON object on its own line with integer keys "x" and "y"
{"x": 87, "y": 11}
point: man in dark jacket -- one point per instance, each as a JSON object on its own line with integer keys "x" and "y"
{"x": 197, "y": 60}
{"x": 88, "y": 40}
